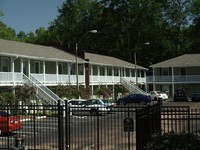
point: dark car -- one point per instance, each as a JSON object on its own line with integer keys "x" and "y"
{"x": 180, "y": 95}
{"x": 196, "y": 97}
{"x": 134, "y": 98}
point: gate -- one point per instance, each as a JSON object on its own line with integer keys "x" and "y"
{"x": 113, "y": 130}
{"x": 127, "y": 127}
{"x": 148, "y": 121}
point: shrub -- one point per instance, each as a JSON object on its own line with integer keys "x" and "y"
{"x": 174, "y": 141}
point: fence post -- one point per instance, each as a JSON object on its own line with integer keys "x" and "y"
{"x": 60, "y": 126}
{"x": 67, "y": 124}
{"x": 97, "y": 128}
{"x": 188, "y": 119}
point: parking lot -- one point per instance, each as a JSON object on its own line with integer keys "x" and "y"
{"x": 170, "y": 102}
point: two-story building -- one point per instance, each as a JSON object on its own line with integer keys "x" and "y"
{"x": 45, "y": 66}
{"x": 179, "y": 72}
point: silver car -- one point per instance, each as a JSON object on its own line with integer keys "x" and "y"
{"x": 99, "y": 106}
{"x": 77, "y": 105}
{"x": 93, "y": 106}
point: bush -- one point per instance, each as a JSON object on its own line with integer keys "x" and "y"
{"x": 174, "y": 141}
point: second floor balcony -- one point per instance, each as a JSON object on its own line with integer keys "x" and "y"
{"x": 175, "y": 79}
{"x": 10, "y": 78}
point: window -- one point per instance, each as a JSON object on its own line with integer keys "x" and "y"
{"x": 80, "y": 69}
{"x": 127, "y": 70}
{"x": 37, "y": 67}
{"x": 5, "y": 64}
{"x": 142, "y": 73}
{"x": 165, "y": 71}
{"x": 102, "y": 71}
{"x": 25, "y": 66}
{"x": 133, "y": 72}
{"x": 183, "y": 71}
{"x": 116, "y": 71}
{"x": 60, "y": 68}
{"x": 109, "y": 71}
{"x": 95, "y": 70}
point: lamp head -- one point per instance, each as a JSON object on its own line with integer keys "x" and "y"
{"x": 93, "y": 31}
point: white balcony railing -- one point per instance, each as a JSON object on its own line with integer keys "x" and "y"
{"x": 11, "y": 78}
{"x": 176, "y": 78}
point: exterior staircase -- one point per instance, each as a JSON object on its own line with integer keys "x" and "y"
{"x": 131, "y": 87}
{"x": 44, "y": 93}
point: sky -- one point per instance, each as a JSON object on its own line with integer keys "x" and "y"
{"x": 29, "y": 15}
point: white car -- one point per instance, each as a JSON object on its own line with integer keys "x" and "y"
{"x": 155, "y": 95}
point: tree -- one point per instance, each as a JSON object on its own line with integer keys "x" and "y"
{"x": 22, "y": 36}
{"x": 7, "y": 32}
{"x": 23, "y": 93}
{"x": 177, "y": 16}
{"x": 104, "y": 91}
{"x": 75, "y": 19}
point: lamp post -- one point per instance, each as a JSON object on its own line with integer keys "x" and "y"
{"x": 91, "y": 31}
{"x": 135, "y": 61}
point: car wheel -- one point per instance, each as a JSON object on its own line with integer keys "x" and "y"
{"x": 94, "y": 112}
{"x": 155, "y": 99}
{"x": 122, "y": 103}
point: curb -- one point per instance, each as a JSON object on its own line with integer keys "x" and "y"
{"x": 28, "y": 119}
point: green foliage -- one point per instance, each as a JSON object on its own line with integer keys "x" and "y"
{"x": 120, "y": 89}
{"x": 23, "y": 92}
{"x": 7, "y": 32}
{"x": 174, "y": 141}
{"x": 85, "y": 93}
{"x": 104, "y": 91}
{"x": 8, "y": 97}
{"x": 71, "y": 91}
{"x": 75, "y": 19}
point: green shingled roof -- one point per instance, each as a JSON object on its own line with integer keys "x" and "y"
{"x": 28, "y": 50}
{"x": 107, "y": 60}
{"x": 186, "y": 60}
{"x": 33, "y": 51}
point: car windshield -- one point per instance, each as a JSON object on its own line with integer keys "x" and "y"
{"x": 4, "y": 114}
{"x": 78, "y": 102}
{"x": 95, "y": 102}
{"x": 105, "y": 101}
{"x": 196, "y": 94}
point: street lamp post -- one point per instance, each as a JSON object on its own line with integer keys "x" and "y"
{"x": 91, "y": 31}
{"x": 135, "y": 61}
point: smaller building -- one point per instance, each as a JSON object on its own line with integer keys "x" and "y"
{"x": 179, "y": 72}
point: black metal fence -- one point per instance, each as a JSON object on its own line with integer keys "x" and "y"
{"x": 126, "y": 127}
{"x": 42, "y": 127}
{"x": 148, "y": 122}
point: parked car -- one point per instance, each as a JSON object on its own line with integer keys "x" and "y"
{"x": 155, "y": 95}
{"x": 92, "y": 106}
{"x": 196, "y": 97}
{"x": 9, "y": 123}
{"x": 77, "y": 105}
{"x": 180, "y": 95}
{"x": 134, "y": 98}
{"x": 100, "y": 105}
{"x": 106, "y": 102}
